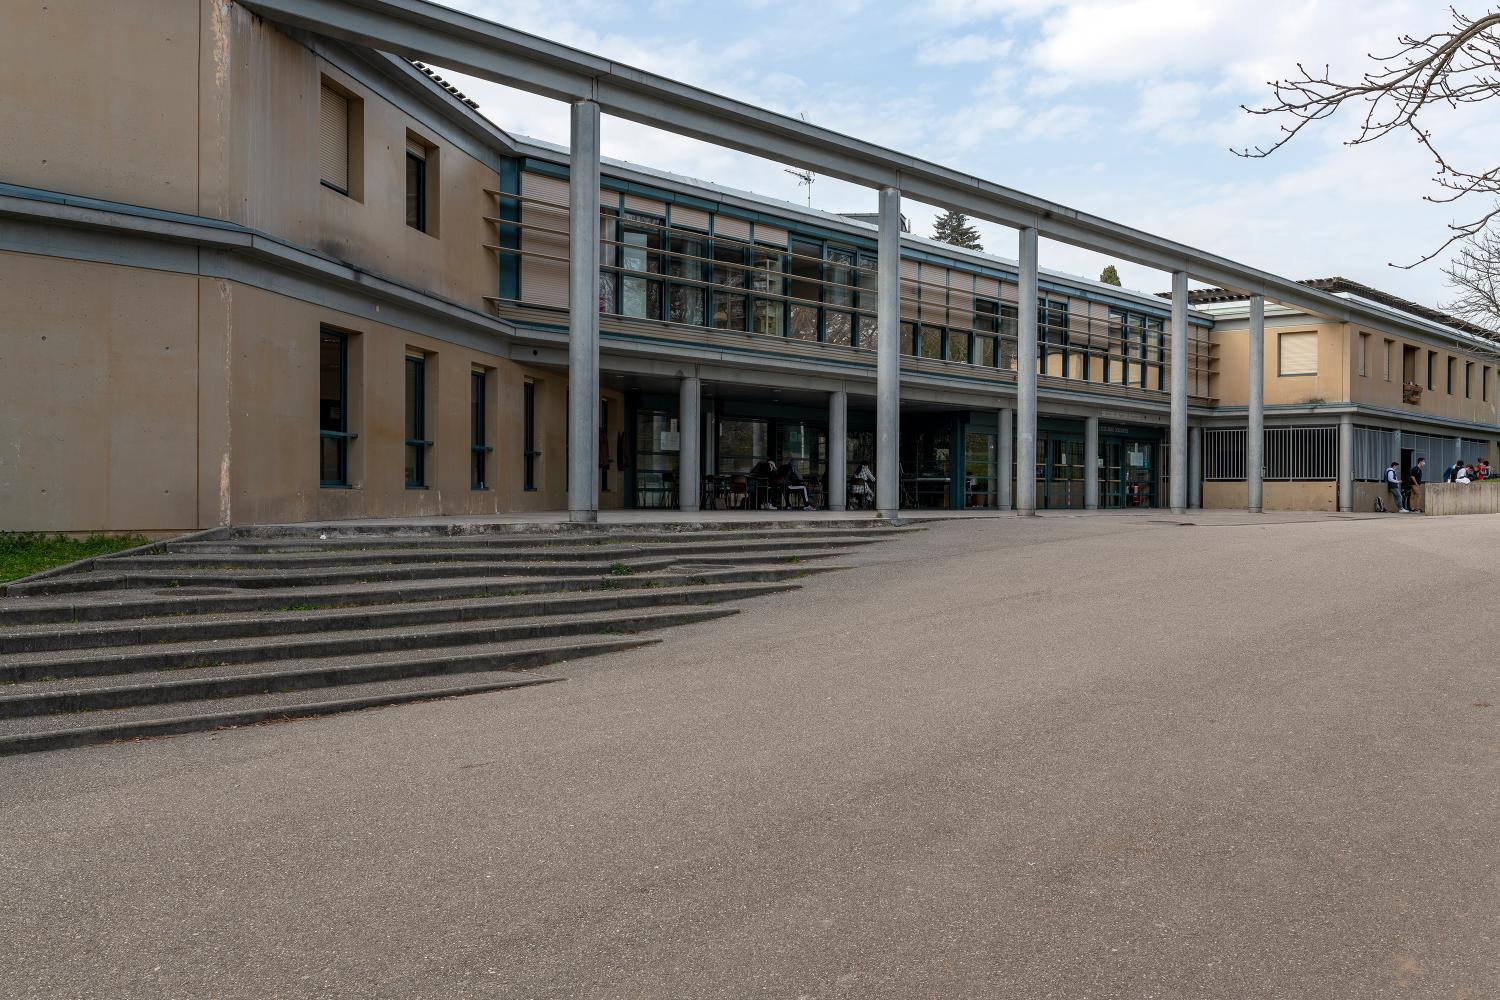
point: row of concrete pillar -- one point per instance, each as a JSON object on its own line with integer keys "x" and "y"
{"x": 583, "y": 371}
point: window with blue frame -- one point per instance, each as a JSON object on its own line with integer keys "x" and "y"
{"x": 729, "y": 302}
{"x": 333, "y": 408}
{"x": 804, "y": 287}
{"x": 685, "y": 300}
{"x": 640, "y": 239}
{"x": 1052, "y": 333}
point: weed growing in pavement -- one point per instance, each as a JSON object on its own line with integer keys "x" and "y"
{"x": 620, "y": 569}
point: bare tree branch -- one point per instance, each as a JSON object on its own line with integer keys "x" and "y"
{"x": 1446, "y": 69}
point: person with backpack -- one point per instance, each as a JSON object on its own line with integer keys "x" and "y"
{"x": 1393, "y": 483}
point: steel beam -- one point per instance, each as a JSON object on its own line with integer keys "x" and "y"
{"x": 1255, "y": 434}
{"x": 888, "y": 357}
{"x": 1346, "y": 463}
{"x": 1005, "y": 459}
{"x": 416, "y": 29}
{"x": 1026, "y": 361}
{"x": 838, "y": 450}
{"x": 583, "y": 315}
{"x": 1090, "y": 463}
{"x": 690, "y": 445}
{"x": 1179, "y": 470}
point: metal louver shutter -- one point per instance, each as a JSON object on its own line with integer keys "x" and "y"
{"x": 416, "y": 148}
{"x": 333, "y": 139}
{"x": 1299, "y": 354}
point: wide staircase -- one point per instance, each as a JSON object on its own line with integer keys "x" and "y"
{"x": 274, "y": 623}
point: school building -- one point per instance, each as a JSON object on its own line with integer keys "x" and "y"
{"x": 254, "y": 267}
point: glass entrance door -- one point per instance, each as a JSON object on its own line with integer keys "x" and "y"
{"x": 1111, "y": 479}
{"x": 1139, "y": 474}
{"x": 1064, "y": 486}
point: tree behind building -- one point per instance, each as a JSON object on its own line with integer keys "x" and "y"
{"x": 954, "y": 228}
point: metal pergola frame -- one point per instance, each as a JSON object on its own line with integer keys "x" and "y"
{"x": 592, "y": 84}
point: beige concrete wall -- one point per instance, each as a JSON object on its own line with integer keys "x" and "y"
{"x": 1462, "y": 498}
{"x": 274, "y": 376}
{"x": 101, "y": 99}
{"x": 98, "y": 397}
{"x": 1230, "y": 382}
{"x": 1373, "y": 388}
{"x": 1276, "y": 496}
{"x": 273, "y": 179}
{"x": 1339, "y": 379}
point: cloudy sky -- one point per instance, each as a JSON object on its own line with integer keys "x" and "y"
{"x": 1122, "y": 108}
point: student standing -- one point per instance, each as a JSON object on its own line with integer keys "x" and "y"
{"x": 1414, "y": 482}
{"x": 1393, "y": 483}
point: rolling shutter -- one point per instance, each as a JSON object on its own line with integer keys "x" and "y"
{"x": 333, "y": 139}
{"x": 1299, "y": 354}
{"x": 690, "y": 218}
{"x": 728, "y": 225}
{"x": 416, "y": 148}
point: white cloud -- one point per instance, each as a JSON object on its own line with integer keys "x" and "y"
{"x": 963, "y": 49}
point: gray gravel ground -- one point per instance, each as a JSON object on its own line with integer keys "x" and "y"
{"x": 1078, "y": 757}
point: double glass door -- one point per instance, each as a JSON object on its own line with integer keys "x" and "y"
{"x": 1127, "y": 473}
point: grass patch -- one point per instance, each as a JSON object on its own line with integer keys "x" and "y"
{"x": 620, "y": 569}
{"x": 25, "y": 553}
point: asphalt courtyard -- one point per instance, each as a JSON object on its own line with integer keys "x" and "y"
{"x": 1067, "y": 757}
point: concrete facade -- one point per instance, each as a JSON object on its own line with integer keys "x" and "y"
{"x": 169, "y": 257}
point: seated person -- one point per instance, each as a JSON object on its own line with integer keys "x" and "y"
{"x": 766, "y": 474}
{"x": 795, "y": 486}
{"x": 862, "y": 491}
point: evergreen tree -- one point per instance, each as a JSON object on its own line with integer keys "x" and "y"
{"x": 1110, "y": 276}
{"x": 954, "y": 228}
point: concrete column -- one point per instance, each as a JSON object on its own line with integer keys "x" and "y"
{"x": 1255, "y": 435}
{"x": 690, "y": 426}
{"x": 1005, "y": 458}
{"x": 1090, "y": 463}
{"x": 888, "y": 357}
{"x": 583, "y": 315}
{"x": 1346, "y": 463}
{"x": 1026, "y": 377}
{"x": 1179, "y": 463}
{"x": 838, "y": 450}
{"x": 1195, "y": 467}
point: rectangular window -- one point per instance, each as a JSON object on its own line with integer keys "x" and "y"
{"x": 479, "y": 478}
{"x": 333, "y": 408}
{"x": 1432, "y": 370}
{"x": 685, "y": 301}
{"x": 958, "y": 346}
{"x": 1484, "y": 384}
{"x": 333, "y": 140}
{"x": 528, "y": 435}
{"x": 416, "y": 422}
{"x": 1364, "y": 355}
{"x": 640, "y": 237}
{"x": 416, "y": 185}
{"x": 1299, "y": 354}
{"x": 765, "y": 278}
{"x": 806, "y": 290}
{"x": 1468, "y": 380}
{"x": 1452, "y": 365}
{"x": 932, "y": 342}
{"x": 838, "y": 325}
{"x": 1388, "y": 345}
{"x": 729, "y": 276}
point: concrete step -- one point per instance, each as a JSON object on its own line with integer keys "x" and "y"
{"x": 39, "y": 639}
{"x": 126, "y": 577}
{"x": 52, "y": 732}
{"x": 453, "y": 529}
{"x": 91, "y": 694}
{"x": 532, "y": 540}
{"x": 301, "y": 556}
{"x": 48, "y": 670}
{"x": 117, "y": 605}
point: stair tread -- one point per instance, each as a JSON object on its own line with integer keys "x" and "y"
{"x": 407, "y": 590}
{"x": 153, "y": 678}
{"x": 333, "y": 699}
{"x": 690, "y": 595}
{"x": 207, "y": 551}
{"x": 209, "y": 647}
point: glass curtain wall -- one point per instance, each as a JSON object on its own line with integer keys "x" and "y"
{"x": 657, "y": 455}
